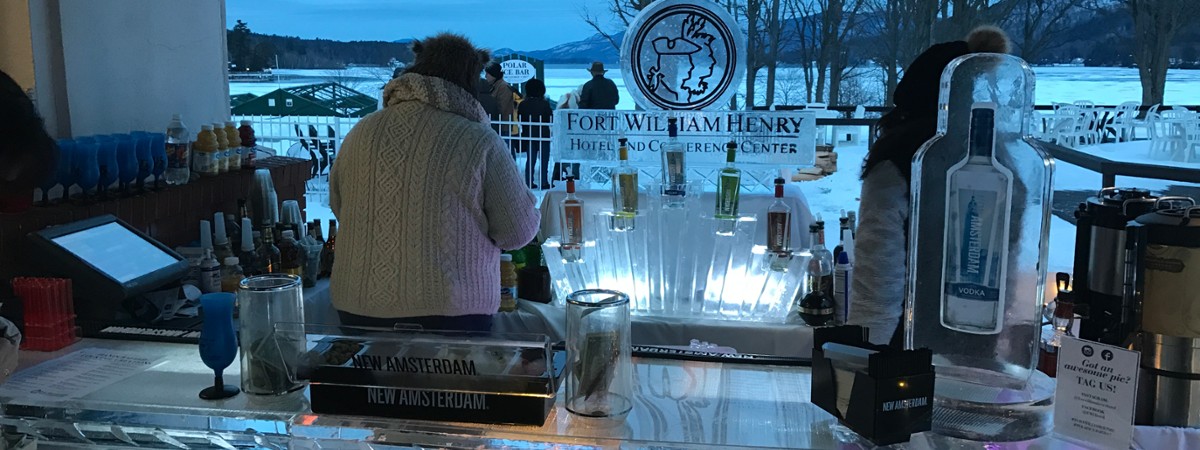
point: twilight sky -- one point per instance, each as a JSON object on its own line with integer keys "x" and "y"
{"x": 518, "y": 24}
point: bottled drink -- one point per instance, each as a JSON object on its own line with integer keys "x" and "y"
{"x": 231, "y": 274}
{"x": 221, "y": 246}
{"x": 779, "y": 223}
{"x": 291, "y": 256}
{"x": 508, "y": 284}
{"x": 179, "y": 152}
{"x": 328, "y": 251}
{"x": 235, "y": 147}
{"x": 729, "y": 185}
{"x": 246, "y": 135}
{"x": 269, "y": 258}
{"x": 315, "y": 231}
{"x": 624, "y": 184}
{"x": 221, "y": 159}
{"x": 210, "y": 273}
{"x": 247, "y": 256}
{"x": 233, "y": 230}
{"x": 204, "y": 161}
{"x": 817, "y": 306}
{"x": 674, "y": 167}
{"x": 976, "y": 252}
{"x": 243, "y": 210}
{"x": 842, "y": 273}
{"x": 572, "y": 219}
{"x": 822, "y": 255}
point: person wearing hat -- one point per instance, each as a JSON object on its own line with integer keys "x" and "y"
{"x": 600, "y": 92}
{"x": 881, "y": 241}
{"x": 501, "y": 91}
{"x": 427, "y": 195}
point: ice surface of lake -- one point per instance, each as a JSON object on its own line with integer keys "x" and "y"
{"x": 1101, "y": 85}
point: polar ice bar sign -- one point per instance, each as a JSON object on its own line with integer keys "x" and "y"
{"x": 764, "y": 138}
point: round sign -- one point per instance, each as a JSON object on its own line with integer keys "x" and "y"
{"x": 517, "y": 71}
{"x": 683, "y": 55}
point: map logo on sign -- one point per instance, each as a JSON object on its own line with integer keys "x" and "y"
{"x": 683, "y": 55}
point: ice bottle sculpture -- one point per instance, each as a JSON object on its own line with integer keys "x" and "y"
{"x": 981, "y": 197}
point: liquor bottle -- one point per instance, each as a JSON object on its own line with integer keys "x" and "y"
{"x": 572, "y": 219}
{"x": 624, "y": 184}
{"x": 243, "y": 210}
{"x": 1062, "y": 320}
{"x": 221, "y": 247}
{"x": 247, "y": 256}
{"x": 269, "y": 258}
{"x": 976, "y": 248}
{"x": 315, "y": 231}
{"x": 817, "y": 307}
{"x": 729, "y": 185}
{"x": 822, "y": 255}
{"x": 779, "y": 223}
{"x": 291, "y": 256}
{"x": 327, "y": 253}
{"x": 231, "y": 274}
{"x": 179, "y": 152}
{"x": 210, "y": 273}
{"x": 674, "y": 167}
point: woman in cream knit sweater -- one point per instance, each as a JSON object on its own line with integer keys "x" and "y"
{"x": 428, "y": 196}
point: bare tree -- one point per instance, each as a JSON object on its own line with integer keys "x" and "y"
{"x": 904, "y": 29}
{"x": 1042, "y": 25}
{"x": 961, "y": 16}
{"x": 1155, "y": 24}
{"x": 623, "y": 11}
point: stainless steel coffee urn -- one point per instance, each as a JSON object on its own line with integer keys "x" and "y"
{"x": 1100, "y": 243}
{"x": 1163, "y": 282}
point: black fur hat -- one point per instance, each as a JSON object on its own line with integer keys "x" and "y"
{"x": 917, "y": 92}
{"x": 451, "y": 57}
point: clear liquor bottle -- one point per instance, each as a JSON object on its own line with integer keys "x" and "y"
{"x": 624, "y": 184}
{"x": 817, "y": 306}
{"x": 674, "y": 167}
{"x": 822, "y": 256}
{"x": 729, "y": 185}
{"x": 779, "y": 222}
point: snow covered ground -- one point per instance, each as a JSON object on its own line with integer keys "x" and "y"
{"x": 1101, "y": 85}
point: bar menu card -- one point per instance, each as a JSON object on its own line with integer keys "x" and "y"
{"x": 1097, "y": 387}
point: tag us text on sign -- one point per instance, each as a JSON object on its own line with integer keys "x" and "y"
{"x": 764, "y": 138}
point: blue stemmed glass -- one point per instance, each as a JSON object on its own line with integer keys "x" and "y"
{"x": 64, "y": 173}
{"x": 107, "y": 157}
{"x": 218, "y": 342}
{"x": 87, "y": 165}
{"x": 127, "y": 162}
{"x": 158, "y": 151}
{"x": 145, "y": 162}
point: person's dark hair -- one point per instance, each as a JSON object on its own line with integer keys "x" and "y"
{"x": 28, "y": 154}
{"x": 535, "y": 88}
{"x": 913, "y": 120}
{"x": 451, "y": 57}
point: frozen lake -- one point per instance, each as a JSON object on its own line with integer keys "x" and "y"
{"x": 1102, "y": 85}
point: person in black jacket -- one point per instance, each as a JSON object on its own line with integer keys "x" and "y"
{"x": 535, "y": 108}
{"x": 28, "y": 155}
{"x": 600, "y": 92}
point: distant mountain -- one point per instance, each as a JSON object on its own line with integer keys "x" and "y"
{"x": 595, "y": 48}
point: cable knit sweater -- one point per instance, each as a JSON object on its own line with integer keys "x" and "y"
{"x": 427, "y": 195}
{"x": 881, "y": 253}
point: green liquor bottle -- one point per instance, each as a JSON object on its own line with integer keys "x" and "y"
{"x": 625, "y": 185}
{"x": 728, "y": 186}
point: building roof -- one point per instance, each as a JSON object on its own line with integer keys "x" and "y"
{"x": 322, "y": 99}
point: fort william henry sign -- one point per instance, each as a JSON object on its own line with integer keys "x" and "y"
{"x": 686, "y": 59}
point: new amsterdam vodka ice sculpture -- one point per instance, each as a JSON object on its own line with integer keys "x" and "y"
{"x": 728, "y": 185}
{"x": 624, "y": 189}
{"x": 975, "y": 248}
{"x": 981, "y": 198}
{"x": 674, "y": 168}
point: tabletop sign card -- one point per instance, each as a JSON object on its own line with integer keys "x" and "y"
{"x": 459, "y": 382}
{"x": 1097, "y": 388}
{"x": 764, "y": 138}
